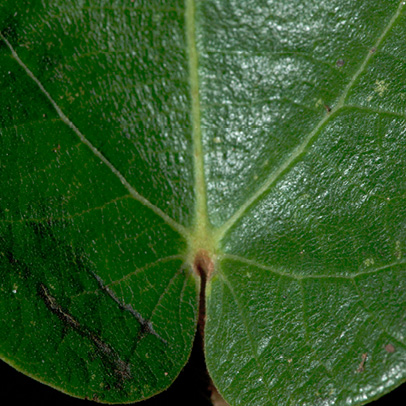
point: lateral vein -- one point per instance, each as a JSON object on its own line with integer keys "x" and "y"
{"x": 302, "y": 148}
{"x": 171, "y": 222}
{"x": 299, "y": 277}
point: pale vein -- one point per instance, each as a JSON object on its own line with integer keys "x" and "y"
{"x": 298, "y": 277}
{"x": 302, "y": 148}
{"x": 171, "y": 222}
{"x": 201, "y": 217}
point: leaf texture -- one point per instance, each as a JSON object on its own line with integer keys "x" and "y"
{"x": 268, "y": 136}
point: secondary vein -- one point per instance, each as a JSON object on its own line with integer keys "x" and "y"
{"x": 299, "y": 277}
{"x": 303, "y": 147}
{"x": 171, "y": 222}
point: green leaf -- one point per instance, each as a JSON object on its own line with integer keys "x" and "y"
{"x": 145, "y": 144}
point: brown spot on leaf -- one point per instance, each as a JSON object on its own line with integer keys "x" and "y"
{"x": 340, "y": 63}
{"x": 361, "y": 367}
{"x": 390, "y": 348}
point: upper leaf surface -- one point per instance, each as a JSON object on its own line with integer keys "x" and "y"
{"x": 305, "y": 110}
{"x": 268, "y": 133}
{"x": 97, "y": 188}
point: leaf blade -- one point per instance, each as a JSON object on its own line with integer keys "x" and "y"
{"x": 85, "y": 255}
{"x": 329, "y": 213}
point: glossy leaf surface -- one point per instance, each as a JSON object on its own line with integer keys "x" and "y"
{"x": 270, "y": 134}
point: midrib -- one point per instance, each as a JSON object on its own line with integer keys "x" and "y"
{"x": 201, "y": 234}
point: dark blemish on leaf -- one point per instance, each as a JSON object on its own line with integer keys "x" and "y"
{"x": 361, "y": 367}
{"x": 10, "y": 257}
{"x": 109, "y": 357}
{"x": 46, "y": 61}
{"x": 340, "y": 63}
{"x": 57, "y": 148}
{"x": 328, "y": 108}
{"x": 390, "y": 348}
{"x": 11, "y": 30}
{"x": 146, "y": 325}
{"x": 52, "y": 305}
{"x": 60, "y": 256}
{"x": 40, "y": 230}
{"x": 372, "y": 50}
